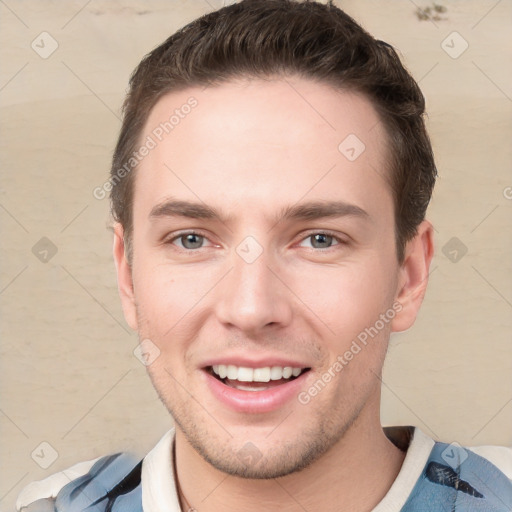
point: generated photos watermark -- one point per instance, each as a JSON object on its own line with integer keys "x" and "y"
{"x": 342, "y": 360}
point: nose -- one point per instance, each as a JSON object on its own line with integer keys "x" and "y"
{"x": 252, "y": 297}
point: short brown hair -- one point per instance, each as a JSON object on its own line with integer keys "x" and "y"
{"x": 266, "y": 38}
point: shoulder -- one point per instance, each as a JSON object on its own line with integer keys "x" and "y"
{"x": 106, "y": 483}
{"x": 500, "y": 456}
{"x": 476, "y": 479}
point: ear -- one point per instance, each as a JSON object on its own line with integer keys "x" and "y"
{"x": 413, "y": 276}
{"x": 124, "y": 277}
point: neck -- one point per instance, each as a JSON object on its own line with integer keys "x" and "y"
{"x": 354, "y": 475}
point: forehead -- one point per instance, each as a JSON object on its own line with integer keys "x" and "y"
{"x": 265, "y": 143}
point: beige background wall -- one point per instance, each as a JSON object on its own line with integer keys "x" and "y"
{"x": 68, "y": 374}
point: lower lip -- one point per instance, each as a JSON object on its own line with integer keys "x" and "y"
{"x": 256, "y": 402}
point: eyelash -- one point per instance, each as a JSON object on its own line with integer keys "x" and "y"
{"x": 339, "y": 241}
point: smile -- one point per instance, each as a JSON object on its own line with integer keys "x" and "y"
{"x": 234, "y": 375}
{"x": 255, "y": 390}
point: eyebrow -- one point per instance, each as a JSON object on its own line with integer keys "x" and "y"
{"x": 321, "y": 209}
{"x": 312, "y": 210}
{"x": 172, "y": 208}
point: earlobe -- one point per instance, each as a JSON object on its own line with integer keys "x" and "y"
{"x": 124, "y": 277}
{"x": 414, "y": 274}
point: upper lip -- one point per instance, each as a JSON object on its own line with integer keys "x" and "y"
{"x": 255, "y": 362}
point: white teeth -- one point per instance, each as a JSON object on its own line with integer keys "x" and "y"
{"x": 287, "y": 372}
{"x": 261, "y": 374}
{"x": 241, "y": 387}
{"x": 232, "y": 372}
{"x": 276, "y": 373}
{"x": 223, "y": 371}
{"x": 245, "y": 374}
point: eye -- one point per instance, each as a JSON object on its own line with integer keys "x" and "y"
{"x": 320, "y": 240}
{"x": 189, "y": 241}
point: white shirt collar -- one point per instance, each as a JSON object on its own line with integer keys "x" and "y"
{"x": 417, "y": 455}
{"x": 159, "y": 493}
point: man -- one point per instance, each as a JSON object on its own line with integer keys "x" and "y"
{"x": 269, "y": 190}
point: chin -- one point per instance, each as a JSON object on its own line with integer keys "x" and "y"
{"x": 243, "y": 459}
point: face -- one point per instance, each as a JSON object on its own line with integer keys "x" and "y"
{"x": 263, "y": 249}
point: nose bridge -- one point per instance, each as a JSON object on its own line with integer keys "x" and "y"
{"x": 251, "y": 296}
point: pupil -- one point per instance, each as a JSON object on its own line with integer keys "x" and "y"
{"x": 192, "y": 241}
{"x": 321, "y": 240}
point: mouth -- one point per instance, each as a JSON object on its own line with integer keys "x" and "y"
{"x": 260, "y": 379}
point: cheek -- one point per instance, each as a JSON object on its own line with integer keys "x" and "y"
{"x": 172, "y": 305}
{"x": 346, "y": 299}
{"x": 163, "y": 293}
